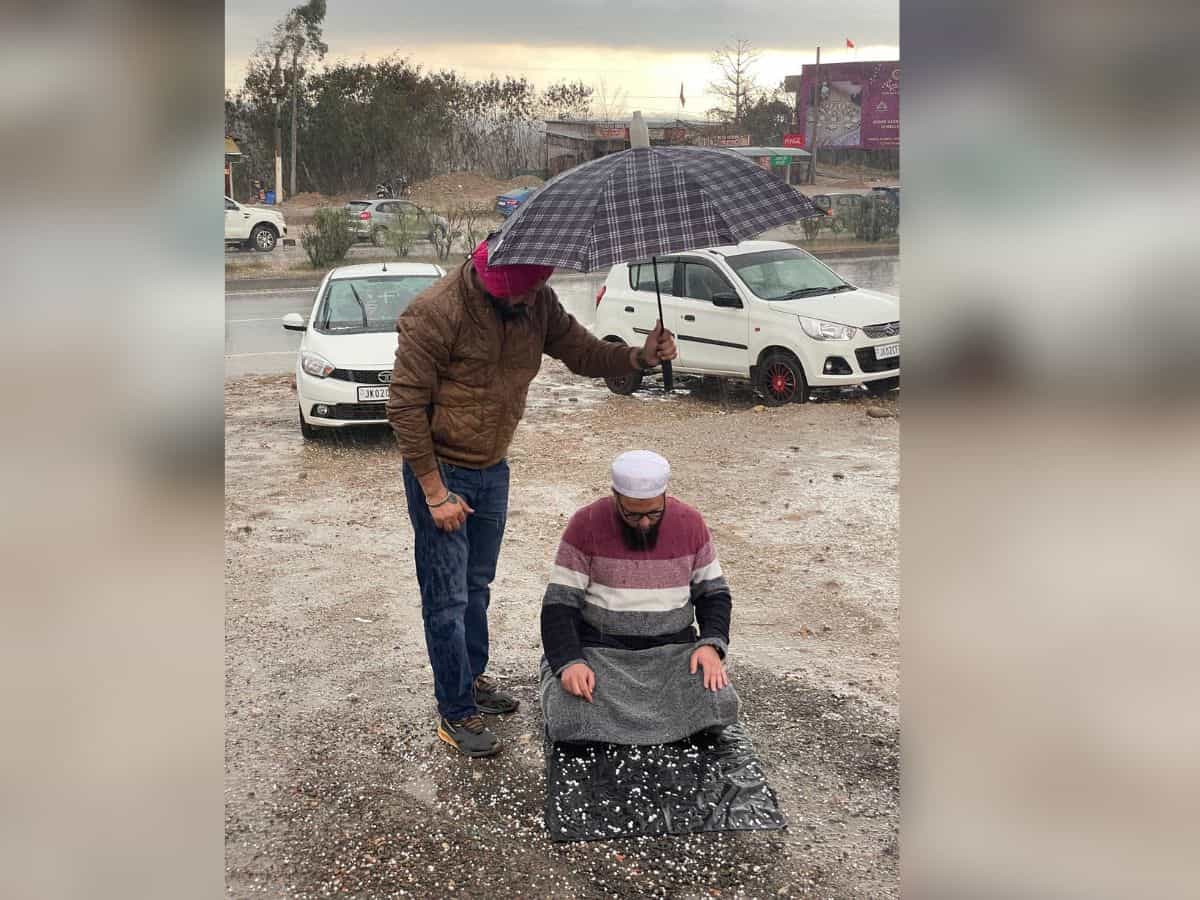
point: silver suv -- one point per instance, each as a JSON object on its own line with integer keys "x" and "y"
{"x": 372, "y": 220}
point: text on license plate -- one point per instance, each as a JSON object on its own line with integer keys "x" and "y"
{"x": 884, "y": 351}
{"x": 372, "y": 393}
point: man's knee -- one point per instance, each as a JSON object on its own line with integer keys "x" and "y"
{"x": 444, "y": 614}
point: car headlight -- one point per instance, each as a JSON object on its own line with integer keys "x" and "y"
{"x": 820, "y": 330}
{"x": 315, "y": 364}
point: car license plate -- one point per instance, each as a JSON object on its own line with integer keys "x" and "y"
{"x": 887, "y": 351}
{"x": 372, "y": 393}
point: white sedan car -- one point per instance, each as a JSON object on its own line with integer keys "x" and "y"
{"x": 349, "y": 344}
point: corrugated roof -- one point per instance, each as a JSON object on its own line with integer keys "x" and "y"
{"x": 772, "y": 151}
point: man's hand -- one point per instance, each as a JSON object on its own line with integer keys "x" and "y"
{"x": 708, "y": 659}
{"x": 579, "y": 680}
{"x": 660, "y": 345}
{"x": 451, "y": 515}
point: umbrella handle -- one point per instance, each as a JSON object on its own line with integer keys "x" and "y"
{"x": 668, "y": 373}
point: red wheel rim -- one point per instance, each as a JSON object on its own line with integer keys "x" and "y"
{"x": 781, "y": 381}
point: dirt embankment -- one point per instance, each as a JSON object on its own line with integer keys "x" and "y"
{"x": 440, "y": 193}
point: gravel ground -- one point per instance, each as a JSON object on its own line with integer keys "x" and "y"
{"x": 336, "y": 784}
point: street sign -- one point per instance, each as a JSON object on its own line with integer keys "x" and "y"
{"x": 609, "y": 133}
{"x": 793, "y": 140}
{"x": 781, "y": 160}
{"x": 729, "y": 140}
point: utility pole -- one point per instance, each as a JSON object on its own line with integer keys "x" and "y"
{"x": 812, "y": 160}
{"x": 278, "y": 156}
{"x": 295, "y": 93}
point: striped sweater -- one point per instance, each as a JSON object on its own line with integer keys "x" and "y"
{"x": 604, "y": 594}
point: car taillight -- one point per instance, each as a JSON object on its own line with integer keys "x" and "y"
{"x": 600, "y": 293}
{"x": 365, "y": 215}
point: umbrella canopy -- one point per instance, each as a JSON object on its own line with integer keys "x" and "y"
{"x": 646, "y": 202}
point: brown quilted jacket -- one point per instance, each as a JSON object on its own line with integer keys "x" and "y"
{"x": 461, "y": 374}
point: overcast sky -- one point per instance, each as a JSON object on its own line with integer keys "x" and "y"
{"x": 644, "y": 54}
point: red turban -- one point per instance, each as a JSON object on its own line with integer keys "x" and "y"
{"x": 508, "y": 281}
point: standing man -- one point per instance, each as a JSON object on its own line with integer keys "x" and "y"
{"x": 468, "y": 348}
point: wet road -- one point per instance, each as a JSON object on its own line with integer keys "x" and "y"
{"x": 255, "y": 342}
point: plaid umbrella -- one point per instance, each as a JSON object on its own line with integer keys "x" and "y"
{"x": 645, "y": 202}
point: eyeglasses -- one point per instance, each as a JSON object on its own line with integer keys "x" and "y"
{"x": 632, "y": 517}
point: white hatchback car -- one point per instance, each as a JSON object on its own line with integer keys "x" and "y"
{"x": 349, "y": 346}
{"x": 762, "y": 310}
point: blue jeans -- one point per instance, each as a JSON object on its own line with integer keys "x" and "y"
{"x": 455, "y": 570}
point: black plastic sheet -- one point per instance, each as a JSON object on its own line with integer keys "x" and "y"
{"x": 708, "y": 782}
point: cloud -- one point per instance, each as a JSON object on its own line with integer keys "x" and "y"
{"x": 656, "y": 25}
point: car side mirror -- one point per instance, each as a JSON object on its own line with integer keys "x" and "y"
{"x": 727, "y": 300}
{"x": 294, "y": 322}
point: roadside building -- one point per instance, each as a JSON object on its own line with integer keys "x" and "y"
{"x": 570, "y": 142}
{"x": 788, "y": 163}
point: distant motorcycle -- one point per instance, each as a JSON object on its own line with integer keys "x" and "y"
{"x": 386, "y": 191}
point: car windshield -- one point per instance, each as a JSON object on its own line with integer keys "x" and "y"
{"x": 357, "y": 205}
{"x": 370, "y": 304}
{"x": 786, "y": 275}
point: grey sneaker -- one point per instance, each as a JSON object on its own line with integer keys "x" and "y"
{"x": 491, "y": 700}
{"x": 470, "y": 736}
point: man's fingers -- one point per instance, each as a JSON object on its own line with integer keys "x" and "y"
{"x": 695, "y": 662}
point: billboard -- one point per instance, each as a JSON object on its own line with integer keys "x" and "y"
{"x": 725, "y": 140}
{"x": 860, "y": 104}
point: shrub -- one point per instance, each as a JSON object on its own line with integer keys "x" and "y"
{"x": 399, "y": 238}
{"x": 327, "y": 238}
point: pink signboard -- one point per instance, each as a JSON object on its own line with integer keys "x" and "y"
{"x": 860, "y": 104}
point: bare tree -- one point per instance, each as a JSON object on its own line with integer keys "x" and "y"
{"x": 610, "y": 107}
{"x": 735, "y": 80}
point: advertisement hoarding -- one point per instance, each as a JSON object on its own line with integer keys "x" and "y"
{"x": 860, "y": 104}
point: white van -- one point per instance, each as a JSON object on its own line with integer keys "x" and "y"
{"x": 762, "y": 310}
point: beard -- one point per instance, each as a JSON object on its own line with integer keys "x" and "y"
{"x": 506, "y": 311}
{"x": 638, "y": 540}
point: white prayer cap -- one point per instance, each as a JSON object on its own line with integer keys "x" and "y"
{"x": 640, "y": 474}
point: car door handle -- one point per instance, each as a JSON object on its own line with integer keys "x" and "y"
{"x": 689, "y": 318}
{"x": 629, "y": 309}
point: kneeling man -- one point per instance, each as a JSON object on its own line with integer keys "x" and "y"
{"x": 636, "y": 573}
